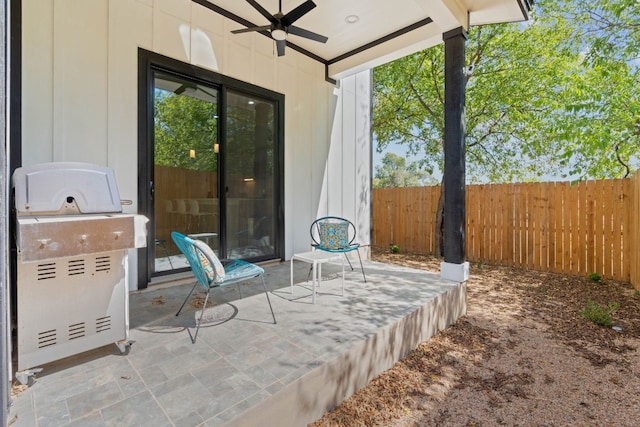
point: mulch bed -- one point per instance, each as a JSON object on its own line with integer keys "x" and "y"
{"x": 553, "y": 300}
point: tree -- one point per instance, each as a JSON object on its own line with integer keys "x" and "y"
{"x": 603, "y": 138}
{"x": 394, "y": 172}
{"x": 607, "y": 30}
{"x": 506, "y": 106}
{"x": 559, "y": 93}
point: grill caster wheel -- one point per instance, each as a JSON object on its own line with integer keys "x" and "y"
{"x": 28, "y": 376}
{"x": 125, "y": 346}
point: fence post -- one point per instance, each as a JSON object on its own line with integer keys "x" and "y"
{"x": 634, "y": 230}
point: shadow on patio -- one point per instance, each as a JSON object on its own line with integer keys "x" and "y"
{"x": 244, "y": 370}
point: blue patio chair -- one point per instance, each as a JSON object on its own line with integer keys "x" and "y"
{"x": 211, "y": 274}
{"x": 337, "y": 235}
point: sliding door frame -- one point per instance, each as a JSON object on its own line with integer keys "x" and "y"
{"x": 148, "y": 64}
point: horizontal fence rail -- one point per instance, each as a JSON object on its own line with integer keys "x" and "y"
{"x": 588, "y": 227}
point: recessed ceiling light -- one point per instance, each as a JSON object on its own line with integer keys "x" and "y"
{"x": 352, "y": 19}
{"x": 251, "y": 102}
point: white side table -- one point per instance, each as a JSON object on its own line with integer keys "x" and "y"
{"x": 317, "y": 258}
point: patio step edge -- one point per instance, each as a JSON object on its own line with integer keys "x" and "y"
{"x": 308, "y": 398}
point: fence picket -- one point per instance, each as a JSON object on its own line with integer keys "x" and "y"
{"x": 558, "y": 201}
{"x": 605, "y": 230}
{"x": 551, "y": 228}
{"x": 471, "y": 225}
{"x": 617, "y": 232}
{"x": 630, "y": 229}
{"x": 566, "y": 229}
{"x": 509, "y": 225}
{"x": 521, "y": 219}
{"x": 543, "y": 225}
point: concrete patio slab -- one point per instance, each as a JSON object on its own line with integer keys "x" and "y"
{"x": 244, "y": 370}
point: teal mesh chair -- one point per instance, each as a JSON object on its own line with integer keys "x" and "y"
{"x": 210, "y": 273}
{"x": 337, "y": 235}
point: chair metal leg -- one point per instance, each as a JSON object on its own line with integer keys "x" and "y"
{"x": 348, "y": 260}
{"x": 264, "y": 286}
{"x": 365, "y": 279}
{"x": 199, "y": 322}
{"x": 187, "y": 298}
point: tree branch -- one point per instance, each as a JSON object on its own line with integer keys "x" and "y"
{"x": 624, "y": 165}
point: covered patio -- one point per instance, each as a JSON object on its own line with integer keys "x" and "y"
{"x": 77, "y": 88}
{"x": 244, "y": 370}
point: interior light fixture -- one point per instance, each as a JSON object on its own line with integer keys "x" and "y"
{"x": 248, "y": 179}
{"x": 279, "y": 34}
{"x": 352, "y": 19}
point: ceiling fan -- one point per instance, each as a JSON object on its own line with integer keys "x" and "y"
{"x": 281, "y": 24}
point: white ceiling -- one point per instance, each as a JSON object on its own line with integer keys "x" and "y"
{"x": 377, "y": 19}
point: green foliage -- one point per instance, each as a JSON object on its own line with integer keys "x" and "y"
{"x": 594, "y": 277}
{"x": 395, "y": 249}
{"x": 394, "y": 172}
{"x": 561, "y": 92}
{"x": 183, "y": 123}
{"x": 636, "y": 294}
{"x": 598, "y": 314}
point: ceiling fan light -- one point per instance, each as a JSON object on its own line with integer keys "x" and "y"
{"x": 279, "y": 34}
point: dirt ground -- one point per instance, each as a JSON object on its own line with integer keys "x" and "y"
{"x": 523, "y": 355}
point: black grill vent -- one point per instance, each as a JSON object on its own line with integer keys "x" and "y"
{"x": 103, "y": 324}
{"x": 76, "y": 331}
{"x": 47, "y": 338}
{"x": 75, "y": 267}
{"x": 103, "y": 263}
{"x": 47, "y": 271}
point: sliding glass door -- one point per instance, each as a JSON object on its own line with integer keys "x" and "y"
{"x": 211, "y": 155}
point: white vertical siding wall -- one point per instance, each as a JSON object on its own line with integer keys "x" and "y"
{"x": 79, "y": 98}
{"x": 344, "y": 189}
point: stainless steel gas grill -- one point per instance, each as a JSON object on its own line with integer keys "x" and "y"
{"x": 73, "y": 242}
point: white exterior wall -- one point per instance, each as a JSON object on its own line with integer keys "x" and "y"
{"x": 79, "y": 99}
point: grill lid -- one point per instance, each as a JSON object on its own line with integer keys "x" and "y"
{"x": 65, "y": 188}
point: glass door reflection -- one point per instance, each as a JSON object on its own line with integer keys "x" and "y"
{"x": 186, "y": 172}
{"x": 249, "y": 176}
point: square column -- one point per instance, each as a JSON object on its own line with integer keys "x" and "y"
{"x": 455, "y": 81}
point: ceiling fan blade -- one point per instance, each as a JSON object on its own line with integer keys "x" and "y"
{"x": 297, "y": 31}
{"x": 261, "y": 9}
{"x": 246, "y": 30}
{"x": 280, "y": 44}
{"x": 297, "y": 13}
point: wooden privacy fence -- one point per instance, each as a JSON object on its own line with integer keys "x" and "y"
{"x": 588, "y": 227}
